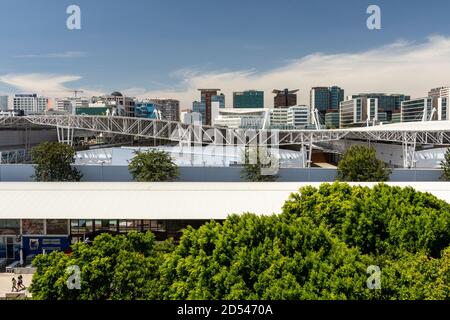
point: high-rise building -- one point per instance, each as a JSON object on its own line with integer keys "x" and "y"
{"x": 170, "y": 108}
{"x": 4, "y": 103}
{"x": 146, "y": 109}
{"x": 30, "y": 103}
{"x": 206, "y": 98}
{"x": 358, "y": 112}
{"x": 332, "y": 120}
{"x": 248, "y": 99}
{"x": 420, "y": 109}
{"x": 199, "y": 107}
{"x": 325, "y": 99}
{"x": 284, "y": 98}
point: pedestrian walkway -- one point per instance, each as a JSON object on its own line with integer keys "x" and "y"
{"x": 6, "y": 283}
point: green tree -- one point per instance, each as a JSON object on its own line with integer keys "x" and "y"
{"x": 258, "y": 165}
{"x": 360, "y": 164}
{"x": 52, "y": 163}
{"x": 153, "y": 166}
{"x": 112, "y": 268}
{"x": 445, "y": 166}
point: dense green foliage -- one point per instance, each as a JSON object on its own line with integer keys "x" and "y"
{"x": 318, "y": 248}
{"x": 445, "y": 166}
{"x": 360, "y": 164}
{"x": 52, "y": 163}
{"x": 258, "y": 165}
{"x": 153, "y": 166}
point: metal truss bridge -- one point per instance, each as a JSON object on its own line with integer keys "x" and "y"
{"x": 408, "y": 134}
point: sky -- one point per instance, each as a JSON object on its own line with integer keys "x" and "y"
{"x": 169, "y": 48}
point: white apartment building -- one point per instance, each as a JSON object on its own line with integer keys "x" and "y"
{"x": 298, "y": 116}
{"x": 30, "y": 103}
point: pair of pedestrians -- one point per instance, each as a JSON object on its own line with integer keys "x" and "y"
{"x": 18, "y": 285}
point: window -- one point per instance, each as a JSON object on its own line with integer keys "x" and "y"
{"x": 57, "y": 226}
{"x": 9, "y": 226}
{"x": 32, "y": 227}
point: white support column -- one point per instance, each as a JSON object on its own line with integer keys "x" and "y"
{"x": 65, "y": 135}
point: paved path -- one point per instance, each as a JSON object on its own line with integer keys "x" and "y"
{"x": 6, "y": 283}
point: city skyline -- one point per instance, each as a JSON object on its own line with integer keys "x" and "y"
{"x": 185, "y": 54}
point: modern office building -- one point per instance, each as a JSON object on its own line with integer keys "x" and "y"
{"x": 284, "y": 98}
{"x": 4, "y": 103}
{"x": 298, "y": 116}
{"x": 248, "y": 99}
{"x": 279, "y": 117}
{"x": 358, "y": 112}
{"x": 386, "y": 103}
{"x": 199, "y": 107}
{"x": 420, "y": 109}
{"x": 336, "y": 97}
{"x": 170, "y": 108}
{"x": 332, "y": 120}
{"x": 30, "y": 103}
{"x": 325, "y": 99}
{"x": 207, "y": 97}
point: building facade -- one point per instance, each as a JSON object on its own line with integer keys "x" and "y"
{"x": 146, "y": 109}
{"x": 358, "y": 112}
{"x": 284, "y": 98}
{"x": 71, "y": 104}
{"x": 332, "y": 120}
{"x": 298, "y": 116}
{"x": 420, "y": 109}
{"x": 248, "y": 99}
{"x": 30, "y": 103}
{"x": 170, "y": 108}
{"x": 207, "y": 97}
{"x": 386, "y": 103}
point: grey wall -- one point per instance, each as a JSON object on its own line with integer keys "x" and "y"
{"x": 23, "y": 173}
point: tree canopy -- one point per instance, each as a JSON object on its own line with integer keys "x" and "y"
{"x": 153, "y": 166}
{"x": 319, "y": 247}
{"x": 360, "y": 164}
{"x": 52, "y": 163}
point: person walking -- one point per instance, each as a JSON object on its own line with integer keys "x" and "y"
{"x": 14, "y": 285}
{"x": 20, "y": 285}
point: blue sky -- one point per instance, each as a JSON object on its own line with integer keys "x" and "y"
{"x": 156, "y": 46}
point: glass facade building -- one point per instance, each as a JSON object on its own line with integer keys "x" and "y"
{"x": 248, "y": 99}
{"x": 417, "y": 110}
{"x": 145, "y": 110}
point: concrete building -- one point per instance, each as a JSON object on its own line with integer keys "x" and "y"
{"x": 30, "y": 103}
{"x": 284, "y": 98}
{"x": 332, "y": 120}
{"x": 192, "y": 118}
{"x": 420, "y": 109}
{"x": 386, "y": 103}
{"x": 147, "y": 110}
{"x": 248, "y": 99}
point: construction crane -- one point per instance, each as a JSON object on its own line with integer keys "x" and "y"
{"x": 76, "y": 92}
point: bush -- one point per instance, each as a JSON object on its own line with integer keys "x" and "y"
{"x": 360, "y": 164}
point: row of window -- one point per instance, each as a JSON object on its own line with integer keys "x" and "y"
{"x": 33, "y": 226}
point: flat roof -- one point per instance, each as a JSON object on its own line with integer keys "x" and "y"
{"x": 158, "y": 201}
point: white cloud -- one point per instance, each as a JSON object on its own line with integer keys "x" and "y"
{"x": 61, "y": 55}
{"x": 401, "y": 67}
{"x": 50, "y": 85}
